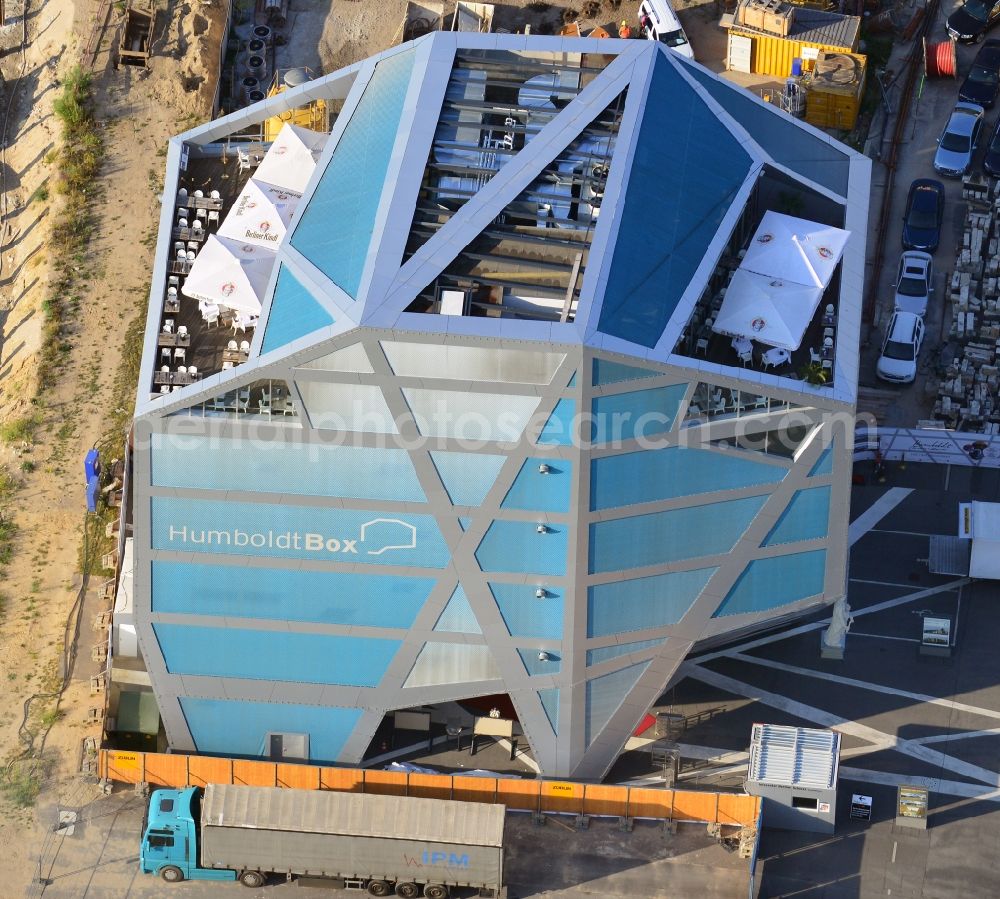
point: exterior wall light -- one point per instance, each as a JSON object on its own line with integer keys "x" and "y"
{"x": 543, "y": 656}
{"x": 542, "y": 529}
{"x": 544, "y": 468}
{"x": 541, "y": 593}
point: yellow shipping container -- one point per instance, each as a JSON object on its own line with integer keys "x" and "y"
{"x": 813, "y": 32}
{"x": 833, "y": 98}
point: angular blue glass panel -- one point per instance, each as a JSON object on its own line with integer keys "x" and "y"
{"x": 335, "y": 229}
{"x": 558, "y": 430}
{"x": 604, "y": 653}
{"x": 605, "y": 694}
{"x": 544, "y": 490}
{"x": 525, "y": 614}
{"x": 274, "y": 655}
{"x": 824, "y": 464}
{"x": 769, "y": 583}
{"x": 641, "y": 603}
{"x": 331, "y": 597}
{"x": 467, "y": 477}
{"x": 228, "y": 727}
{"x": 294, "y": 313}
{"x": 297, "y": 532}
{"x": 550, "y": 703}
{"x": 535, "y": 666}
{"x": 639, "y": 413}
{"x": 663, "y": 232}
{"x": 356, "y": 472}
{"x": 517, "y": 547}
{"x": 572, "y": 381}
{"x": 654, "y": 475}
{"x": 806, "y": 517}
{"x": 464, "y": 523}
{"x": 458, "y": 617}
{"x": 608, "y": 372}
{"x": 784, "y": 140}
{"x": 670, "y": 536}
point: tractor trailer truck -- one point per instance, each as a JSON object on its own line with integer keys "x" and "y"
{"x": 383, "y": 844}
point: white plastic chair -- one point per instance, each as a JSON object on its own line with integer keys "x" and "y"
{"x": 746, "y": 356}
{"x": 182, "y": 331}
{"x": 215, "y": 195}
{"x": 180, "y": 354}
{"x": 244, "y": 346}
{"x": 213, "y": 217}
{"x": 182, "y": 369}
{"x": 190, "y": 255}
{"x": 232, "y": 345}
{"x": 199, "y": 194}
{"x": 182, "y": 194}
{"x": 814, "y": 356}
{"x": 182, "y": 222}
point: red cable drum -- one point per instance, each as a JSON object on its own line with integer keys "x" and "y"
{"x": 939, "y": 59}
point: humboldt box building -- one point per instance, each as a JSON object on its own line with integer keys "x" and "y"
{"x": 489, "y": 436}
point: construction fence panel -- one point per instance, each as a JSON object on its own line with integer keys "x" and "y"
{"x": 203, "y": 769}
{"x": 254, "y": 774}
{"x": 163, "y": 770}
{"x": 737, "y": 810}
{"x": 429, "y": 786}
{"x": 521, "y": 795}
{"x": 298, "y": 777}
{"x": 474, "y": 789}
{"x": 557, "y": 796}
{"x": 124, "y": 767}
{"x": 649, "y": 803}
{"x": 346, "y": 780}
{"x": 606, "y": 801}
{"x": 385, "y": 783}
{"x": 689, "y": 806}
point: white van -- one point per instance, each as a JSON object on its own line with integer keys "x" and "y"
{"x": 659, "y": 22}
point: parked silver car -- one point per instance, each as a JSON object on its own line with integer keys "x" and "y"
{"x": 958, "y": 141}
{"x": 914, "y": 282}
{"x": 898, "y": 360}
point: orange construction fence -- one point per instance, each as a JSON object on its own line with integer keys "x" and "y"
{"x": 161, "y": 770}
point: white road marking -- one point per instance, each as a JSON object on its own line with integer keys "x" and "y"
{"x": 867, "y": 520}
{"x": 950, "y": 704}
{"x": 835, "y": 722}
{"x": 819, "y": 625}
{"x": 885, "y": 637}
{"x": 960, "y": 735}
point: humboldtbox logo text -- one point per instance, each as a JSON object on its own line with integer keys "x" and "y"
{"x": 375, "y": 537}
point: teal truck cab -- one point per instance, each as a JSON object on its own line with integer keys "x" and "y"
{"x": 170, "y": 838}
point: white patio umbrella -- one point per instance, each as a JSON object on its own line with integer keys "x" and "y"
{"x": 769, "y": 310}
{"x": 230, "y": 273}
{"x": 795, "y": 249}
{"x": 261, "y": 214}
{"x": 290, "y": 160}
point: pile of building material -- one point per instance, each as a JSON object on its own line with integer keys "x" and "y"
{"x": 967, "y": 395}
{"x": 771, "y": 16}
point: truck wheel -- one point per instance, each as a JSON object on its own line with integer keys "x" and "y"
{"x": 252, "y": 879}
{"x": 172, "y": 874}
{"x": 378, "y": 888}
{"x": 407, "y": 890}
{"x": 436, "y": 891}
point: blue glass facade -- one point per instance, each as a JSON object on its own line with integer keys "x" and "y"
{"x": 642, "y": 603}
{"x": 294, "y": 313}
{"x": 335, "y": 229}
{"x": 542, "y": 485}
{"x": 282, "y": 594}
{"x": 517, "y": 547}
{"x": 274, "y": 655}
{"x": 770, "y": 583}
{"x": 663, "y": 537}
{"x": 605, "y": 694}
{"x": 467, "y": 477}
{"x": 525, "y": 614}
{"x": 665, "y": 229}
{"x": 637, "y": 414}
{"x": 609, "y": 372}
{"x": 558, "y": 428}
{"x": 270, "y": 466}
{"x": 806, "y": 517}
{"x": 606, "y": 653}
{"x": 225, "y": 727}
{"x": 655, "y": 475}
{"x": 458, "y": 616}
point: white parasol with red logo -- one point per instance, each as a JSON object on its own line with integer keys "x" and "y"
{"x": 230, "y": 273}
{"x": 261, "y": 214}
{"x": 290, "y": 160}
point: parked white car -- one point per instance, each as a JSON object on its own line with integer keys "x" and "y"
{"x": 901, "y": 348}
{"x": 914, "y": 282}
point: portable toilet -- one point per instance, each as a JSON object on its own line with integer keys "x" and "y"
{"x": 794, "y": 770}
{"x": 92, "y": 465}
